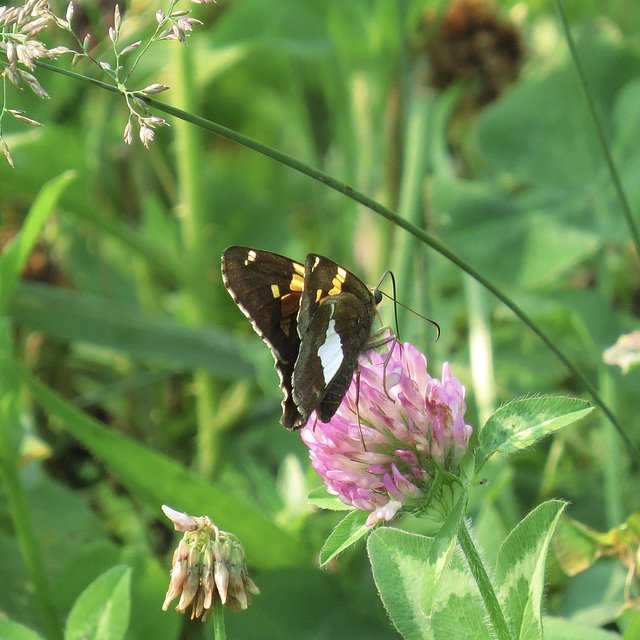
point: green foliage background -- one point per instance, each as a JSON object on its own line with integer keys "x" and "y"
{"x": 147, "y": 385}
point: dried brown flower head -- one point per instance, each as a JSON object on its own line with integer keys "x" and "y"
{"x": 474, "y": 43}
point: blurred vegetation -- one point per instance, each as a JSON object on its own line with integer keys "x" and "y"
{"x": 148, "y": 386}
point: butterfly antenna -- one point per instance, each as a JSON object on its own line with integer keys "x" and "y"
{"x": 404, "y": 306}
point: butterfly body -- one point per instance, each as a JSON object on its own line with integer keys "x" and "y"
{"x": 316, "y": 318}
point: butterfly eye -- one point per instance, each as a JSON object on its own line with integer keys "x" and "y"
{"x": 377, "y": 296}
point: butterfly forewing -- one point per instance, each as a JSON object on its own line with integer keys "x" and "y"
{"x": 324, "y": 277}
{"x": 267, "y": 287}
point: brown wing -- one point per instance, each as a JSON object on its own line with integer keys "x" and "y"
{"x": 267, "y": 288}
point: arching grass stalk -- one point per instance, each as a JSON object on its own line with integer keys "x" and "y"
{"x": 385, "y": 212}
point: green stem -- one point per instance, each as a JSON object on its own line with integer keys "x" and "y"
{"x": 411, "y": 201}
{"x": 29, "y": 548}
{"x": 198, "y": 237}
{"x": 11, "y": 433}
{"x": 383, "y": 211}
{"x": 217, "y": 615}
{"x": 480, "y": 349}
{"x": 606, "y": 151}
{"x": 487, "y": 592}
{"x": 612, "y": 454}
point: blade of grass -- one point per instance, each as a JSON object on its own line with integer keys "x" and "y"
{"x": 163, "y": 264}
{"x": 11, "y": 432}
{"x": 12, "y": 262}
{"x": 411, "y": 202}
{"x": 68, "y": 315}
{"x": 15, "y": 255}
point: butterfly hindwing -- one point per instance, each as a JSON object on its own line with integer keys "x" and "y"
{"x": 334, "y": 323}
{"x": 267, "y": 288}
{"x": 329, "y": 351}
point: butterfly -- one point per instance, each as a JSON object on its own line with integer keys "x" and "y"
{"x": 316, "y": 318}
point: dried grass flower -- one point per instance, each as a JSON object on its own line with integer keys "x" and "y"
{"x": 21, "y": 26}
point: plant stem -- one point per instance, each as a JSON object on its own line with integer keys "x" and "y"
{"x": 219, "y": 632}
{"x": 612, "y": 454}
{"x": 480, "y": 349}
{"x": 411, "y": 202}
{"x": 29, "y": 548}
{"x": 485, "y": 586}
{"x": 197, "y": 235}
{"x": 10, "y": 435}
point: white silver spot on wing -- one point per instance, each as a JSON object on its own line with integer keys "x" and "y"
{"x": 251, "y": 256}
{"x": 330, "y": 353}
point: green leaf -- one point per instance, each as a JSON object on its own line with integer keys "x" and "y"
{"x": 594, "y": 596}
{"x": 79, "y": 317}
{"x": 102, "y": 610}
{"x": 562, "y": 629}
{"x": 348, "y": 531}
{"x": 160, "y": 480}
{"x": 13, "y": 631}
{"x": 319, "y": 497}
{"x": 514, "y": 132}
{"x": 148, "y": 588}
{"x": 440, "y": 554}
{"x": 308, "y": 604}
{"x": 520, "y": 569}
{"x": 528, "y": 249}
{"x": 520, "y": 423}
{"x": 398, "y": 563}
{"x": 14, "y": 256}
{"x": 633, "y": 630}
{"x": 577, "y": 547}
{"x": 296, "y": 30}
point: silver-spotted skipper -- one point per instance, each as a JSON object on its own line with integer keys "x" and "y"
{"x": 317, "y": 318}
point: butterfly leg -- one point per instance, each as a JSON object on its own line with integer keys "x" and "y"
{"x": 384, "y": 367}
{"x": 378, "y": 339}
{"x": 364, "y": 446}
